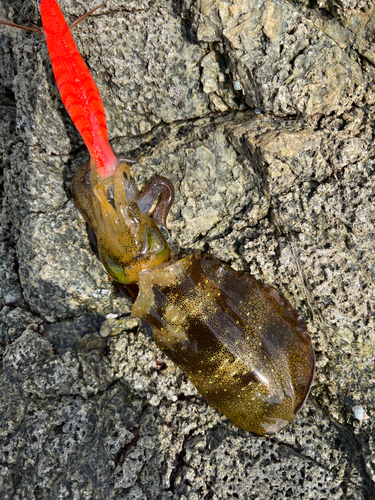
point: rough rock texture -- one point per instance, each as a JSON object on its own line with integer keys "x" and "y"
{"x": 285, "y": 65}
{"x": 89, "y": 408}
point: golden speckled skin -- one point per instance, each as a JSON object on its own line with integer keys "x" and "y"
{"x": 128, "y": 240}
{"x": 240, "y": 342}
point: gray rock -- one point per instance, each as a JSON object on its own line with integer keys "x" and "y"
{"x": 42, "y": 374}
{"x": 13, "y": 322}
{"x": 10, "y": 288}
{"x": 89, "y": 407}
{"x": 351, "y": 28}
{"x": 285, "y": 65}
{"x": 67, "y": 446}
{"x": 61, "y": 276}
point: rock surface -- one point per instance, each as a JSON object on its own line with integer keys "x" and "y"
{"x": 262, "y": 115}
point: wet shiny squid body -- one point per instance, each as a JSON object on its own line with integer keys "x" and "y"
{"x": 239, "y": 341}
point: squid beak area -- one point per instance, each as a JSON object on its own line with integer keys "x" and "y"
{"x": 128, "y": 241}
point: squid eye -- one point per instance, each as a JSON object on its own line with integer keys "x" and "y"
{"x": 154, "y": 241}
{"x": 164, "y": 231}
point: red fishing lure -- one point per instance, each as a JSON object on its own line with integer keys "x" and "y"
{"x": 78, "y": 90}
